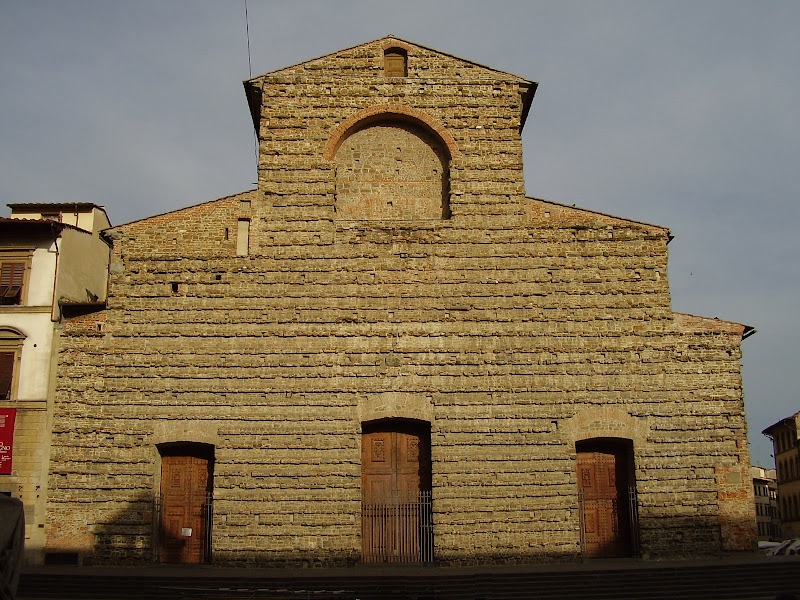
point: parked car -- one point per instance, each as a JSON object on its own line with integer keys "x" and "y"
{"x": 764, "y": 546}
{"x": 786, "y": 548}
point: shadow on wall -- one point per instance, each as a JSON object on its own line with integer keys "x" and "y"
{"x": 133, "y": 536}
{"x": 693, "y": 536}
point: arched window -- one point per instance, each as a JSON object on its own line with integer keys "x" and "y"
{"x": 395, "y": 62}
{"x": 10, "y": 353}
{"x": 392, "y": 169}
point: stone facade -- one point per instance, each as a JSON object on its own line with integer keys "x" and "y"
{"x": 390, "y": 266}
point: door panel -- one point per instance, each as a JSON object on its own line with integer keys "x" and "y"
{"x": 407, "y": 465}
{"x": 603, "y": 484}
{"x": 185, "y": 490}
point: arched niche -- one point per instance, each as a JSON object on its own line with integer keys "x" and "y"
{"x": 392, "y": 169}
{"x": 391, "y": 163}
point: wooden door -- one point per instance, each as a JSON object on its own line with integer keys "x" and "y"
{"x": 603, "y": 485}
{"x": 396, "y": 477}
{"x": 185, "y": 492}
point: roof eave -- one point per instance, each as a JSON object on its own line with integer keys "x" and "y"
{"x": 528, "y": 91}
{"x": 253, "y": 93}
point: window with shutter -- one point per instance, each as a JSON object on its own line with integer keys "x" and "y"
{"x": 11, "y": 277}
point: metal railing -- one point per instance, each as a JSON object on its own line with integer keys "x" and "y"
{"x": 633, "y": 519}
{"x": 398, "y": 530}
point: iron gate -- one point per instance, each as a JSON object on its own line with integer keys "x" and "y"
{"x": 399, "y": 530}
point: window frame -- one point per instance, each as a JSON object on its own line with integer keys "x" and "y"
{"x": 16, "y": 257}
{"x": 11, "y": 342}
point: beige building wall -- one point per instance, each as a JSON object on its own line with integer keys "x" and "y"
{"x": 28, "y": 328}
{"x": 765, "y": 490}
{"x": 516, "y": 327}
{"x": 79, "y": 279}
{"x": 786, "y": 447}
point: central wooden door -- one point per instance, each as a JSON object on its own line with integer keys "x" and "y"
{"x": 604, "y": 492}
{"x": 186, "y": 481}
{"x": 396, "y": 484}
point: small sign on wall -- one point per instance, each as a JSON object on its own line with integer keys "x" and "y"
{"x": 186, "y": 531}
{"x": 7, "y": 418}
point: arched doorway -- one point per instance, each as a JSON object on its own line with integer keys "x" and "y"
{"x": 396, "y": 511}
{"x": 185, "y": 504}
{"x": 607, "y": 498}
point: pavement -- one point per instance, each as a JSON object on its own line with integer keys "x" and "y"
{"x": 172, "y": 570}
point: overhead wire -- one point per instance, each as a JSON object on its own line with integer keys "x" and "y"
{"x": 250, "y": 71}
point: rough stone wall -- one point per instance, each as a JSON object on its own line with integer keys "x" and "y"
{"x": 86, "y": 457}
{"x": 517, "y": 327}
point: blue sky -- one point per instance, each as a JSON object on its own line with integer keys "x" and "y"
{"x": 680, "y": 113}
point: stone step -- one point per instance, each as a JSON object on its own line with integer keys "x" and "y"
{"x": 761, "y": 580}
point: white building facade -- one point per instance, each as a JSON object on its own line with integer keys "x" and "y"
{"x": 53, "y": 260}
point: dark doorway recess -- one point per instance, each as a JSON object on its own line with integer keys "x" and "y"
{"x": 607, "y": 498}
{"x": 396, "y": 491}
{"x": 184, "y": 507}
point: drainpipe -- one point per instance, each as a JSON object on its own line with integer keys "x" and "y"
{"x": 55, "y": 274}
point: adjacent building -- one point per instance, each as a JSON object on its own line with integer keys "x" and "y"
{"x": 388, "y": 352}
{"x": 786, "y": 449}
{"x": 53, "y": 263}
{"x": 765, "y": 490}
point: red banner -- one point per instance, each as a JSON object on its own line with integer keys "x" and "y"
{"x": 7, "y": 417}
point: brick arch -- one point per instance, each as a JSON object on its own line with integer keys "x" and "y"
{"x": 394, "y": 43}
{"x": 184, "y": 431}
{"x": 395, "y": 405}
{"x": 604, "y": 422}
{"x": 383, "y": 112}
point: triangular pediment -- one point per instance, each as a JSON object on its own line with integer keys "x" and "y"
{"x": 368, "y": 57}
{"x": 367, "y": 61}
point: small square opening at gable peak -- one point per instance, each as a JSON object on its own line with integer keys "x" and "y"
{"x": 395, "y": 62}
